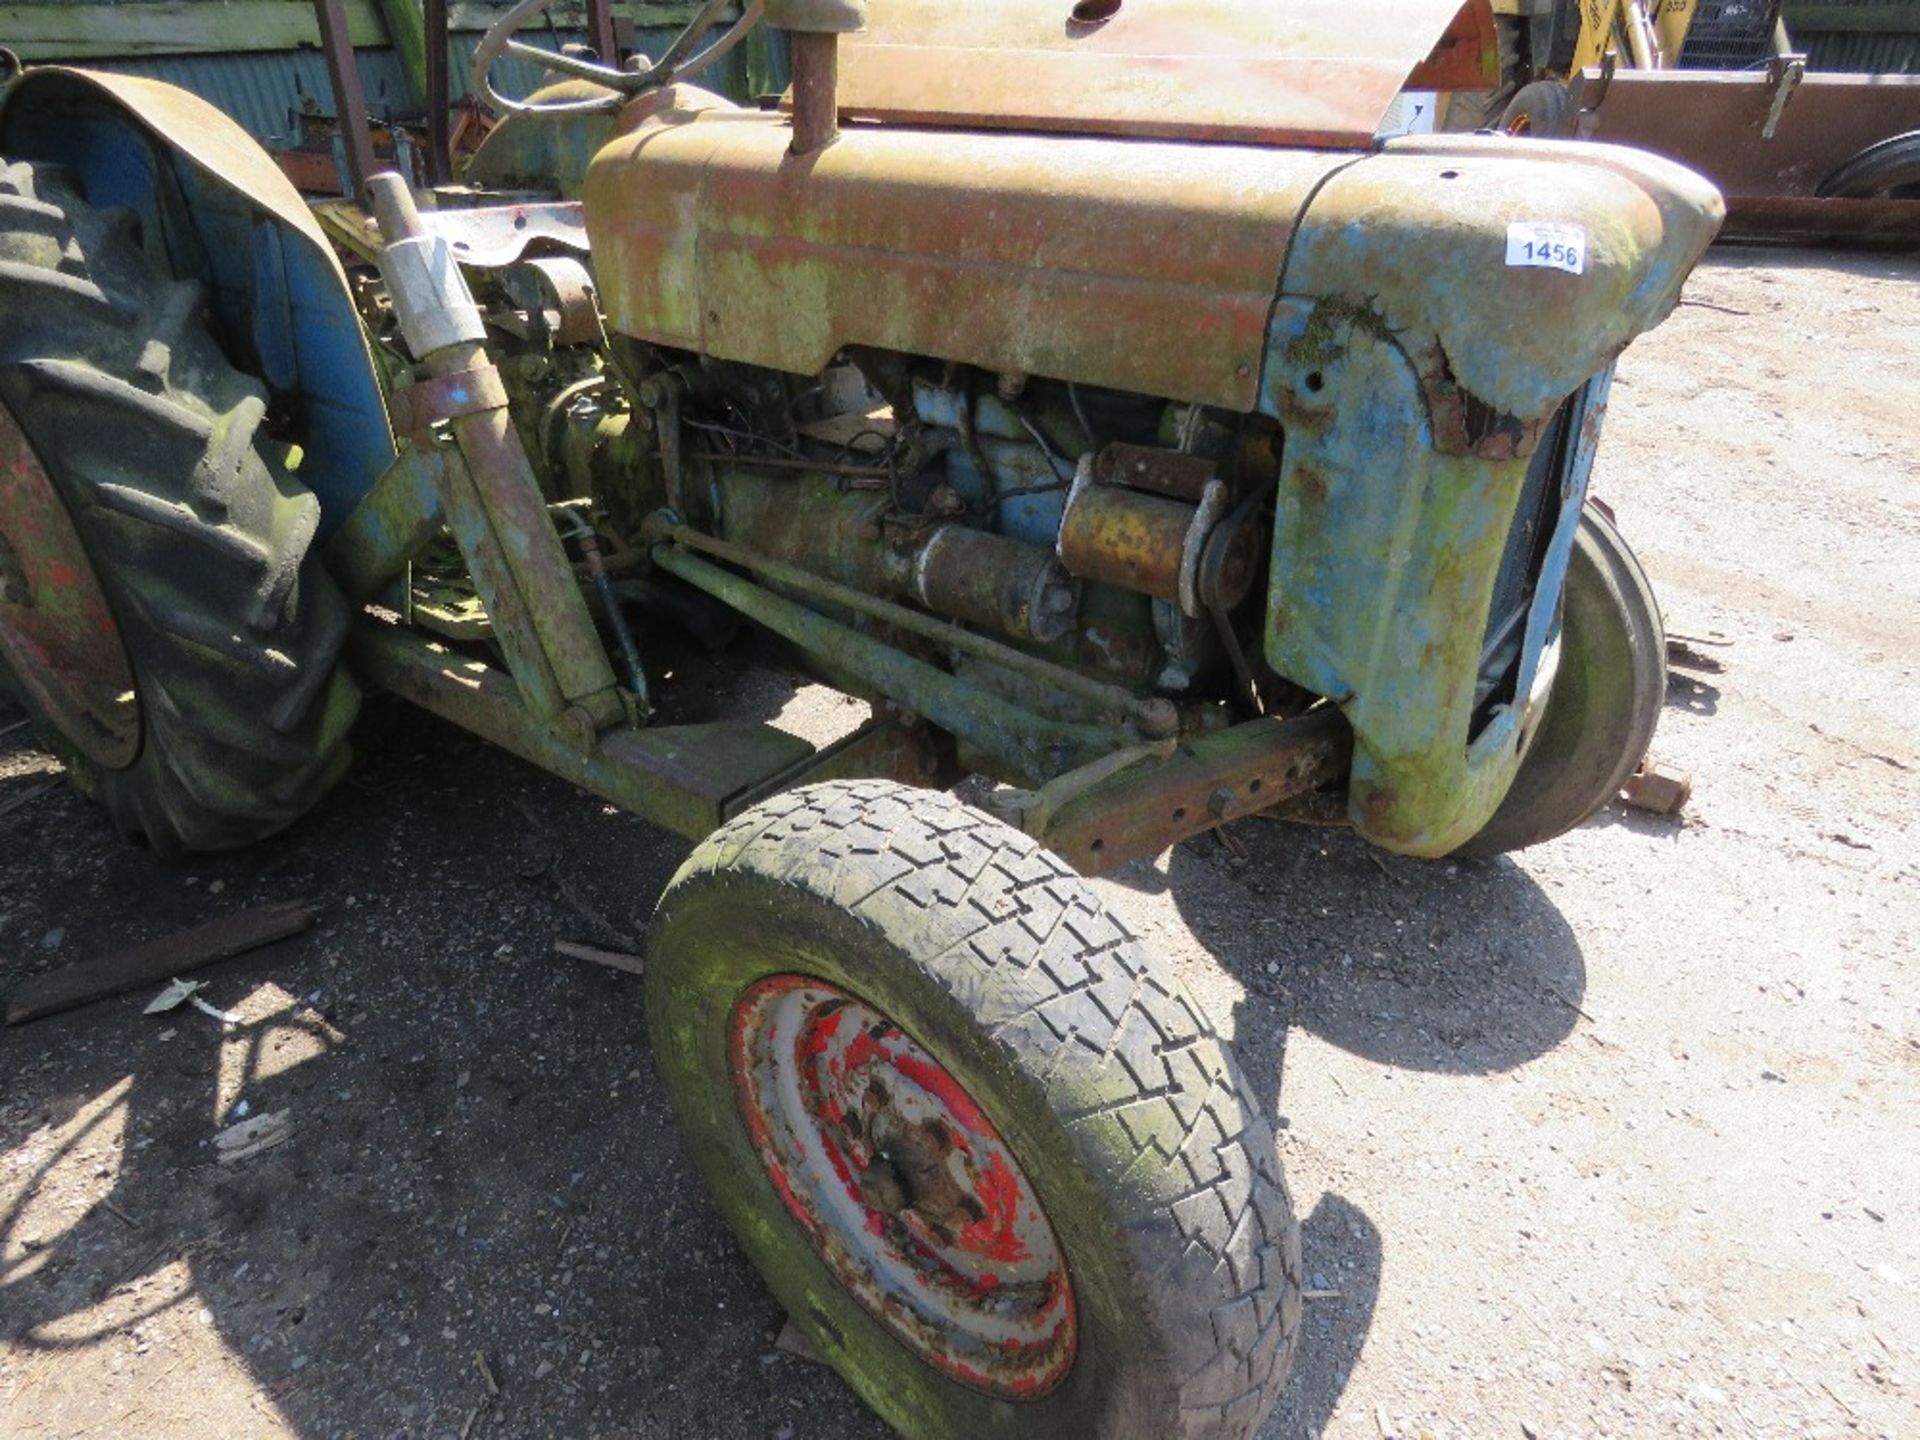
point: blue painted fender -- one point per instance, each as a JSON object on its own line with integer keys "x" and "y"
{"x": 223, "y": 213}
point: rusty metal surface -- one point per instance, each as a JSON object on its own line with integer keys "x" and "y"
{"x": 1147, "y": 467}
{"x": 1043, "y": 255}
{"x": 815, "y": 519}
{"x": 492, "y": 236}
{"x": 57, "y": 633}
{"x": 1467, "y": 55}
{"x": 903, "y": 1186}
{"x": 989, "y": 580}
{"x": 1408, "y": 414}
{"x": 417, "y": 406}
{"x": 1801, "y": 220}
{"x": 1283, "y": 72}
{"x": 439, "y": 95}
{"x": 1011, "y": 739}
{"x": 563, "y": 286}
{"x": 1249, "y": 768}
{"x": 1128, "y": 522}
{"x": 816, "y": 100}
{"x": 1411, "y": 245}
{"x": 1154, "y": 717}
{"x": 1127, "y": 538}
{"x": 349, "y": 100}
{"x": 497, "y": 510}
{"x": 1713, "y": 122}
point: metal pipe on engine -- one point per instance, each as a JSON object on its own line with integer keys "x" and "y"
{"x": 1153, "y": 717}
{"x": 998, "y": 583}
{"x": 814, "y": 28}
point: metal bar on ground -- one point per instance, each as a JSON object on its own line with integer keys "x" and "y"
{"x": 157, "y": 960}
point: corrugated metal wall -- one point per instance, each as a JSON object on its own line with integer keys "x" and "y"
{"x": 264, "y": 90}
{"x": 1866, "y": 37}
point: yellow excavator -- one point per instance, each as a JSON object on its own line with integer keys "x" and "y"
{"x": 1801, "y": 153}
{"x": 1548, "y": 46}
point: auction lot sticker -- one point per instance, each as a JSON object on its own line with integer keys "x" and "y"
{"x": 1548, "y": 246}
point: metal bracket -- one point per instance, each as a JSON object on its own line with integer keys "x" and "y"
{"x": 418, "y": 406}
{"x": 1786, "y": 73}
{"x": 562, "y": 287}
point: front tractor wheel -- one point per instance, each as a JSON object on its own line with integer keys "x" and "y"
{"x": 1605, "y": 703}
{"x": 988, "y": 1155}
{"x": 160, "y": 611}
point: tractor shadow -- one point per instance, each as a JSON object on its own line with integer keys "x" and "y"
{"x": 1461, "y": 968}
{"x": 484, "y": 1208}
{"x": 1458, "y": 967}
{"x": 482, "y": 1221}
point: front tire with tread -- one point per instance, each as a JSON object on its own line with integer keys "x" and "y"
{"x": 1148, "y": 1152}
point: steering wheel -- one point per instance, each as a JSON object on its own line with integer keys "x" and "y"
{"x": 672, "y": 65}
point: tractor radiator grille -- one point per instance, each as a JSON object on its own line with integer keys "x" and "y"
{"x": 1534, "y": 520}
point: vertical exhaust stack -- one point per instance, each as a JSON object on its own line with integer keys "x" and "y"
{"x": 815, "y": 28}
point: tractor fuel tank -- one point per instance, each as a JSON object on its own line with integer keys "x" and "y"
{"x": 1146, "y": 266}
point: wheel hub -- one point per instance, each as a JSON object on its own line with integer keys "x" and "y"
{"x": 57, "y": 633}
{"x": 906, "y": 1190}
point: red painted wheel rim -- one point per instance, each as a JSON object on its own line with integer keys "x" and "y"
{"x": 56, "y": 632}
{"x": 906, "y": 1190}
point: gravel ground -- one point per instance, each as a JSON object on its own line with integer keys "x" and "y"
{"x": 1616, "y": 1138}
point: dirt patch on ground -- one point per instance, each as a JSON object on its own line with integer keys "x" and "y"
{"x": 1614, "y": 1139}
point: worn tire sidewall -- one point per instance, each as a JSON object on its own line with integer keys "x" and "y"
{"x": 1585, "y": 748}
{"x": 717, "y": 935}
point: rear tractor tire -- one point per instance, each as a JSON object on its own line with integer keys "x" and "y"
{"x": 1605, "y": 703}
{"x": 988, "y": 1155}
{"x": 153, "y": 539}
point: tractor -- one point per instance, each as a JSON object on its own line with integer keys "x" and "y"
{"x": 1084, "y": 386}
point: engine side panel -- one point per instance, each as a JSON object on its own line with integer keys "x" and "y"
{"x": 1142, "y": 266}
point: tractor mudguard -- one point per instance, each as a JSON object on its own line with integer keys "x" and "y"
{"x": 1448, "y": 321}
{"x": 219, "y": 210}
